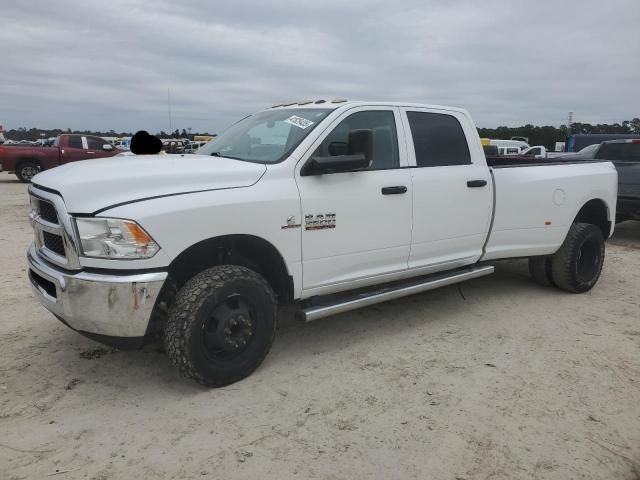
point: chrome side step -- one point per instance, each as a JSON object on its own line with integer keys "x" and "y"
{"x": 390, "y": 293}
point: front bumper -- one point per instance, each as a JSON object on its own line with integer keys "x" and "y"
{"x": 100, "y": 305}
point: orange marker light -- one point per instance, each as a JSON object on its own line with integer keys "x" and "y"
{"x": 138, "y": 233}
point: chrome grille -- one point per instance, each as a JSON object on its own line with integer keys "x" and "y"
{"x": 54, "y": 243}
{"x": 47, "y": 211}
{"x": 53, "y": 229}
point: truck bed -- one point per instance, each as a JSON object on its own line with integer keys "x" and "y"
{"x": 535, "y": 206}
{"x": 525, "y": 161}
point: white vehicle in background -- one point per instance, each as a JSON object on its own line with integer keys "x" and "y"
{"x": 536, "y": 152}
{"x": 123, "y": 144}
{"x": 329, "y": 206}
{"x": 509, "y": 151}
{"x": 193, "y": 147}
{"x": 509, "y": 145}
{"x": 540, "y": 151}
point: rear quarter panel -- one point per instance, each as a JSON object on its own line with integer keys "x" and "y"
{"x": 536, "y": 205}
{"x": 8, "y": 158}
{"x": 11, "y": 156}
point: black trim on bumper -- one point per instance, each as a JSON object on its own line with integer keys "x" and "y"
{"x": 121, "y": 343}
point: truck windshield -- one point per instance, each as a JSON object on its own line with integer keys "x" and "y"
{"x": 266, "y": 137}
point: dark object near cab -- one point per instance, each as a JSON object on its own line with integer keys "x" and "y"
{"x": 625, "y": 155}
{"x": 577, "y": 142}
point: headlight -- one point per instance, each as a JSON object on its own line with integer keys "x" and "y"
{"x": 114, "y": 238}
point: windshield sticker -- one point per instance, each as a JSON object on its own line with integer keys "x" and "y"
{"x": 298, "y": 122}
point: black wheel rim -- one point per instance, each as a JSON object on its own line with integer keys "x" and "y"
{"x": 29, "y": 172}
{"x": 230, "y": 328}
{"x": 589, "y": 260}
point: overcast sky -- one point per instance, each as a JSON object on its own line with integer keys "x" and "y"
{"x": 91, "y": 64}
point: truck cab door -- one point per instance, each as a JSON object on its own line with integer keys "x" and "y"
{"x": 73, "y": 148}
{"x": 96, "y": 148}
{"x": 452, "y": 189}
{"x": 356, "y": 226}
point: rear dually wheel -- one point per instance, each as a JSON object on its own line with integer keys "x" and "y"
{"x": 577, "y": 265}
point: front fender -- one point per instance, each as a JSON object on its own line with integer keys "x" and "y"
{"x": 178, "y": 222}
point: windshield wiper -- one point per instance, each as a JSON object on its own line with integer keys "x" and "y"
{"x": 218, "y": 154}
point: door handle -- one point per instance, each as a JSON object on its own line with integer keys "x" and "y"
{"x": 394, "y": 190}
{"x": 90, "y": 152}
{"x": 476, "y": 183}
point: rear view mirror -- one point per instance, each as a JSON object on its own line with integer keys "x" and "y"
{"x": 107, "y": 147}
{"x": 338, "y": 148}
{"x": 361, "y": 141}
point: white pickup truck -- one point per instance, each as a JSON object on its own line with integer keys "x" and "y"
{"x": 540, "y": 151}
{"x": 330, "y": 205}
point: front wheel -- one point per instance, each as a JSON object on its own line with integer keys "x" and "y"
{"x": 577, "y": 265}
{"x": 222, "y": 325}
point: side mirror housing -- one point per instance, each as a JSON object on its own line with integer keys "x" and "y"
{"x": 334, "y": 164}
{"x": 107, "y": 147}
{"x": 355, "y": 155}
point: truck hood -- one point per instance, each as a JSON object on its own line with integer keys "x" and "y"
{"x": 92, "y": 185}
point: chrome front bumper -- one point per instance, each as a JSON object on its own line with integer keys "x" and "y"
{"x": 99, "y": 304}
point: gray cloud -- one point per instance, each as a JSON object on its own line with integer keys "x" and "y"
{"x": 89, "y": 64}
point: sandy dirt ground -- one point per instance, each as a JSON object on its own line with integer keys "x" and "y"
{"x": 497, "y": 379}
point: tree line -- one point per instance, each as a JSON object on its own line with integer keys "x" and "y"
{"x": 546, "y": 135}
{"x": 33, "y": 134}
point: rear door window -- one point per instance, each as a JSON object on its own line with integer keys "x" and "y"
{"x": 438, "y": 140}
{"x": 614, "y": 151}
{"x": 624, "y": 152}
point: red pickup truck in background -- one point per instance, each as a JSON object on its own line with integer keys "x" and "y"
{"x": 26, "y": 161}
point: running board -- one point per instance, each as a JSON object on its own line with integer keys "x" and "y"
{"x": 390, "y": 293}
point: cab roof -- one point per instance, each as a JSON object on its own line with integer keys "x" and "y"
{"x": 341, "y": 102}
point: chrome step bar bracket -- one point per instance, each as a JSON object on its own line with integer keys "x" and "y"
{"x": 385, "y": 294}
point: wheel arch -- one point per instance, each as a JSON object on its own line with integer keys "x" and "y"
{"x": 596, "y": 212}
{"x": 245, "y": 250}
{"x": 21, "y": 160}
